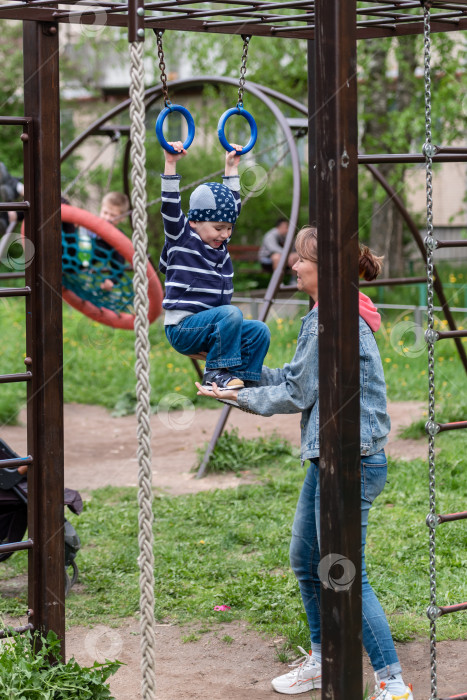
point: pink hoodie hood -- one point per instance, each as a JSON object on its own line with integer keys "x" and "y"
{"x": 367, "y": 311}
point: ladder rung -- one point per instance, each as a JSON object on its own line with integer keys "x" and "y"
{"x": 450, "y": 334}
{"x": 14, "y": 206}
{"x": 458, "y": 425}
{"x": 15, "y": 630}
{"x": 15, "y": 291}
{"x": 11, "y": 275}
{"x": 20, "y": 377}
{"x": 461, "y": 243}
{"x": 446, "y": 609}
{"x": 15, "y": 462}
{"x": 448, "y": 517}
{"x": 16, "y": 546}
{"x": 15, "y": 121}
{"x": 392, "y": 281}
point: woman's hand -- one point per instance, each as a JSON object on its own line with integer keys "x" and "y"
{"x": 232, "y": 160}
{"x": 216, "y": 393}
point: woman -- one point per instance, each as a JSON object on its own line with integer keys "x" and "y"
{"x": 294, "y": 388}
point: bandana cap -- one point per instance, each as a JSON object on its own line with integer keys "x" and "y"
{"x": 212, "y": 201}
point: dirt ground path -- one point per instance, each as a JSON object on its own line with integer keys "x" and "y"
{"x": 101, "y": 450}
{"x": 231, "y": 662}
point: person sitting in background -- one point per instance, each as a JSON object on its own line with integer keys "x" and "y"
{"x": 272, "y": 247}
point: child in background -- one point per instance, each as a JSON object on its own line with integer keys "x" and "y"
{"x": 199, "y": 278}
{"x": 114, "y": 208}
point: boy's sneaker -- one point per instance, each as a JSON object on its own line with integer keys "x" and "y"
{"x": 306, "y": 675}
{"x": 382, "y": 693}
{"x": 223, "y": 378}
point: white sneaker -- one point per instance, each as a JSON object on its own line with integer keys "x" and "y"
{"x": 305, "y": 676}
{"x": 382, "y": 693}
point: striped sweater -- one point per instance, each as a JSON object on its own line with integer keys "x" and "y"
{"x": 198, "y": 277}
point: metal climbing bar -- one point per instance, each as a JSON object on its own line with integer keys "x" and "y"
{"x": 457, "y": 425}
{"x": 15, "y": 630}
{"x": 447, "y": 609}
{"x": 462, "y": 243}
{"x": 463, "y": 696}
{"x": 449, "y": 517}
{"x": 441, "y": 335}
{"x": 20, "y": 377}
{"x": 15, "y": 291}
{"x": 373, "y": 158}
{"x": 432, "y": 427}
{"x": 16, "y": 546}
{"x": 15, "y": 462}
{"x": 14, "y": 206}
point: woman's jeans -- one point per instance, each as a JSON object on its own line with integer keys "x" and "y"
{"x": 305, "y": 558}
{"x": 230, "y": 341}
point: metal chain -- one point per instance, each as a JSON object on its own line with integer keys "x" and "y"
{"x": 241, "y": 84}
{"x": 143, "y": 385}
{"x": 160, "y": 53}
{"x": 431, "y": 427}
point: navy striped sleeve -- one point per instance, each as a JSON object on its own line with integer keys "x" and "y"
{"x": 173, "y": 218}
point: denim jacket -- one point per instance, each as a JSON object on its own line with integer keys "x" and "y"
{"x": 294, "y": 389}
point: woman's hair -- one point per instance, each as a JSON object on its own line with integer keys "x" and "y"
{"x": 306, "y": 245}
{"x": 369, "y": 264}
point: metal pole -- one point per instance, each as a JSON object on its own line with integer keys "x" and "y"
{"x": 44, "y": 330}
{"x": 312, "y": 204}
{"x": 339, "y": 395}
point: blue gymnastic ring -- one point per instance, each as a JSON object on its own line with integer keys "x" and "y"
{"x": 221, "y": 126}
{"x": 160, "y": 122}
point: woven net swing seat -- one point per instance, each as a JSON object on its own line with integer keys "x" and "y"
{"x": 97, "y": 270}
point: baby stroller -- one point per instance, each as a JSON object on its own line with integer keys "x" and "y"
{"x": 14, "y": 514}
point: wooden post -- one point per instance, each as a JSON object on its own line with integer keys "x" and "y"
{"x": 44, "y": 330}
{"x": 339, "y": 396}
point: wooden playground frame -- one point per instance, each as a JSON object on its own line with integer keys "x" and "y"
{"x": 331, "y": 28}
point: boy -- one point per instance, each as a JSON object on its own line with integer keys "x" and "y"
{"x": 114, "y": 208}
{"x": 199, "y": 274}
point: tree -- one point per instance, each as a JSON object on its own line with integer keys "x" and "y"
{"x": 11, "y": 94}
{"x": 391, "y": 108}
{"x": 392, "y": 113}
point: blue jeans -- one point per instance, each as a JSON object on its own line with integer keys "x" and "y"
{"x": 305, "y": 558}
{"x": 230, "y": 341}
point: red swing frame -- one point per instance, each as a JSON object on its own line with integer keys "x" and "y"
{"x": 111, "y": 235}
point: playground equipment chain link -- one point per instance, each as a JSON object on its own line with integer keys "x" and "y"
{"x": 430, "y": 245}
{"x": 160, "y": 53}
{"x": 241, "y": 84}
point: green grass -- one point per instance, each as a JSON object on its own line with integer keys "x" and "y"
{"x": 236, "y": 454}
{"x": 99, "y": 362}
{"x": 231, "y": 547}
{"x": 29, "y": 671}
